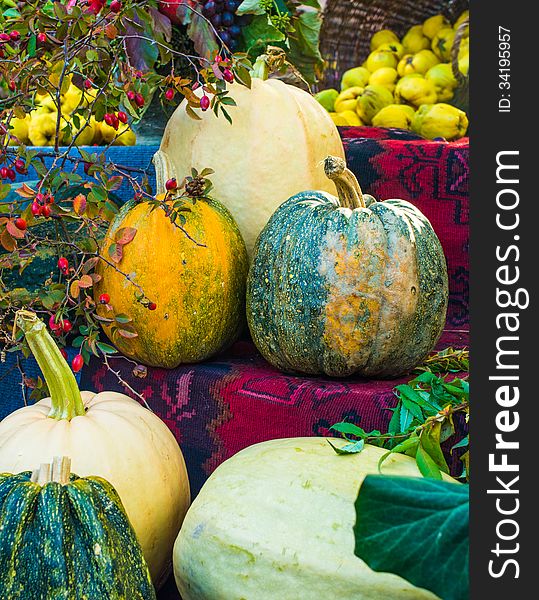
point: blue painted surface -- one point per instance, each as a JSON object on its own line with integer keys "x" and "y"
{"x": 139, "y": 157}
{"x": 11, "y": 397}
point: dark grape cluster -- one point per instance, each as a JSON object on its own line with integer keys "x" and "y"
{"x": 222, "y": 14}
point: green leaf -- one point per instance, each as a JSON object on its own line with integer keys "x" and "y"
{"x": 430, "y": 442}
{"x": 260, "y": 32}
{"x": 304, "y": 45}
{"x": 349, "y": 429}
{"x": 106, "y": 349}
{"x": 405, "y": 446}
{"x": 354, "y": 448}
{"x": 426, "y": 464}
{"x": 416, "y": 528}
{"x": 250, "y": 7}
{"x": 406, "y": 418}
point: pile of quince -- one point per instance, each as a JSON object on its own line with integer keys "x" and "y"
{"x": 39, "y": 127}
{"x": 406, "y": 83}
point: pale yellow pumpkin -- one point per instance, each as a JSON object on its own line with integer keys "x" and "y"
{"x": 106, "y": 434}
{"x": 272, "y": 150}
{"x": 275, "y": 522}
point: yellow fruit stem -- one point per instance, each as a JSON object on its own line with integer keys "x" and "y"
{"x": 66, "y": 400}
{"x": 348, "y": 190}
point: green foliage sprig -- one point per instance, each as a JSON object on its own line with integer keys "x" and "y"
{"x": 422, "y": 420}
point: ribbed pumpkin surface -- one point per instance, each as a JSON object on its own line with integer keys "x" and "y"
{"x": 69, "y": 542}
{"x": 197, "y": 283}
{"x": 339, "y": 291}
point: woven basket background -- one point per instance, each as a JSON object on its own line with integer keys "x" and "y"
{"x": 348, "y": 26}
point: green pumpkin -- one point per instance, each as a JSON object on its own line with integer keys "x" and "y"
{"x": 346, "y": 285}
{"x": 65, "y": 538}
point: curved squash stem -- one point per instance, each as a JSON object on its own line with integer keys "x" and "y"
{"x": 66, "y": 401}
{"x": 348, "y": 190}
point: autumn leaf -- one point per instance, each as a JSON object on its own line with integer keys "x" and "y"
{"x": 116, "y": 252}
{"x": 14, "y": 231}
{"x": 79, "y": 204}
{"x": 74, "y": 290}
{"x": 85, "y": 281}
{"x": 8, "y": 243}
{"x": 125, "y": 235}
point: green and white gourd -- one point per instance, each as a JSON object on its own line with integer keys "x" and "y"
{"x": 346, "y": 285}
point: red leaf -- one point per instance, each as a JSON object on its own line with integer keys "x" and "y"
{"x": 125, "y": 235}
{"x": 8, "y": 243}
{"x": 85, "y": 281}
{"x": 14, "y": 231}
{"x": 90, "y": 264}
{"x": 116, "y": 252}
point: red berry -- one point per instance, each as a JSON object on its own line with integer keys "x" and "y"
{"x": 115, "y": 6}
{"x": 36, "y": 209}
{"x": 228, "y": 75}
{"x": 131, "y": 95}
{"x": 49, "y": 199}
{"x": 20, "y": 166}
{"x": 67, "y": 326}
{"x": 204, "y": 102}
{"x": 11, "y": 174}
{"x": 104, "y": 299}
{"x": 53, "y": 325}
{"x": 4, "y": 37}
{"x": 152, "y": 306}
{"x": 12, "y": 85}
{"x": 77, "y": 363}
{"x": 15, "y": 36}
{"x": 139, "y": 100}
{"x": 63, "y": 353}
{"x": 45, "y": 211}
{"x": 171, "y": 184}
{"x": 122, "y": 117}
{"x": 88, "y": 84}
{"x": 108, "y": 118}
{"x": 63, "y": 264}
{"x": 41, "y": 38}
{"x": 4, "y": 173}
{"x": 40, "y": 198}
{"x": 20, "y": 223}
{"x": 169, "y": 94}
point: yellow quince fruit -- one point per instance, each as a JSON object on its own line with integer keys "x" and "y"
{"x": 386, "y": 76}
{"x": 18, "y": 129}
{"x": 327, "y": 98}
{"x": 442, "y": 42}
{"x": 124, "y": 136}
{"x": 356, "y": 77}
{"x": 347, "y": 100}
{"x": 420, "y": 63}
{"x": 433, "y": 24}
{"x": 443, "y": 79}
{"x": 371, "y": 101}
{"x": 414, "y": 40}
{"x": 395, "y": 115}
{"x": 463, "y": 16}
{"x": 379, "y": 59}
{"x": 440, "y": 121}
{"x": 415, "y": 90}
{"x": 384, "y": 36}
{"x": 42, "y": 129}
{"x": 338, "y": 119}
{"x": 395, "y": 47}
{"x": 352, "y": 118}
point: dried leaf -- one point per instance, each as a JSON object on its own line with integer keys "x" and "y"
{"x": 125, "y": 235}
{"x": 116, "y": 252}
{"x": 79, "y": 204}
{"x": 8, "y": 243}
{"x": 85, "y": 281}
{"x": 74, "y": 290}
{"x": 14, "y": 231}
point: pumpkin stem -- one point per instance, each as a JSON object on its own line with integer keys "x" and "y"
{"x": 348, "y": 190}
{"x": 66, "y": 401}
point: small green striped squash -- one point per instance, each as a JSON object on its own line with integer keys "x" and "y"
{"x": 346, "y": 285}
{"x": 68, "y": 541}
